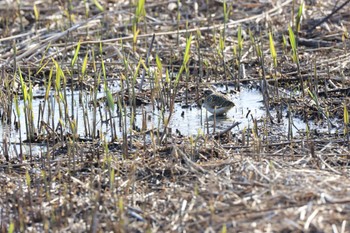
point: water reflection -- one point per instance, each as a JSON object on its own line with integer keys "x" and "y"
{"x": 186, "y": 121}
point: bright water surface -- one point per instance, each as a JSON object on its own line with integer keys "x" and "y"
{"x": 187, "y": 121}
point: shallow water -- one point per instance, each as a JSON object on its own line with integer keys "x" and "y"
{"x": 186, "y": 121}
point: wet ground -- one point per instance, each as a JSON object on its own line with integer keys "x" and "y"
{"x": 289, "y": 175}
{"x": 185, "y": 121}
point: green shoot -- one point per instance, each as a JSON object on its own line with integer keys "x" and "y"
{"x": 36, "y": 12}
{"x": 76, "y": 52}
{"x": 346, "y": 115}
{"x": 83, "y": 68}
{"x": 185, "y": 60}
{"x": 284, "y": 44}
{"x": 140, "y": 13}
{"x": 346, "y": 120}
{"x": 11, "y": 228}
{"x": 110, "y": 100}
{"x": 295, "y": 56}
{"x": 273, "y": 50}
{"x": 240, "y": 42}
{"x": 293, "y": 43}
{"x": 299, "y": 17}
{"x": 23, "y": 86}
{"x": 28, "y": 180}
{"x": 98, "y": 5}
{"x": 224, "y": 228}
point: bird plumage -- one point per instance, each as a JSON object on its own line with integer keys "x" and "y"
{"x": 216, "y": 103}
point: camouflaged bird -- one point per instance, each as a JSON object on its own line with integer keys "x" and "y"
{"x": 216, "y": 103}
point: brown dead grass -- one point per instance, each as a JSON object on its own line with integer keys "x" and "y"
{"x": 216, "y": 185}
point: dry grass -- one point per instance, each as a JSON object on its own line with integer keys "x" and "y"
{"x": 207, "y": 183}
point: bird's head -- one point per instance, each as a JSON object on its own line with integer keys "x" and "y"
{"x": 208, "y": 92}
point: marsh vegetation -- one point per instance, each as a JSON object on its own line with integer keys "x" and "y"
{"x": 102, "y": 125}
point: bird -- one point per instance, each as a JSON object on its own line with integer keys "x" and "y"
{"x": 216, "y": 103}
